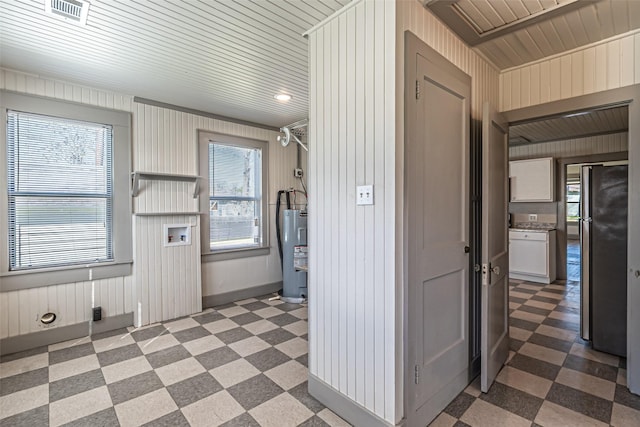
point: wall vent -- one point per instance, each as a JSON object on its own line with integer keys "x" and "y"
{"x": 75, "y": 11}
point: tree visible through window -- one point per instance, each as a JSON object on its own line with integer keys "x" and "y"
{"x": 60, "y": 191}
{"x": 235, "y": 196}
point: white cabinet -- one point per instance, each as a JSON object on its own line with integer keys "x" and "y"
{"x": 532, "y": 180}
{"x": 532, "y": 255}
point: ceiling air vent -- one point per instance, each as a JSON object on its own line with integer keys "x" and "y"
{"x": 75, "y": 11}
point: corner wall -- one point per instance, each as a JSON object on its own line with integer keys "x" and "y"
{"x": 352, "y": 301}
{"x": 163, "y": 140}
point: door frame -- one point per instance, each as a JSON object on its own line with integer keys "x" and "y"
{"x": 413, "y": 47}
{"x": 626, "y": 95}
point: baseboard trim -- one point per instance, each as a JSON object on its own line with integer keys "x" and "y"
{"x": 63, "y": 333}
{"x": 227, "y": 297}
{"x": 349, "y": 410}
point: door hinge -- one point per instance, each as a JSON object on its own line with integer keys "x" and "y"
{"x": 485, "y": 274}
{"x": 417, "y": 89}
{"x": 416, "y": 374}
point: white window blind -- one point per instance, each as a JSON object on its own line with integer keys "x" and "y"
{"x": 235, "y": 206}
{"x": 60, "y": 191}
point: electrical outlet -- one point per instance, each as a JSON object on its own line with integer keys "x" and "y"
{"x": 297, "y": 172}
{"x": 97, "y": 313}
{"x": 533, "y": 217}
{"x": 364, "y": 195}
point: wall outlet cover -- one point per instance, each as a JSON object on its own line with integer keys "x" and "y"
{"x": 533, "y": 217}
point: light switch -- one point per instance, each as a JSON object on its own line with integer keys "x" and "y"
{"x": 364, "y": 195}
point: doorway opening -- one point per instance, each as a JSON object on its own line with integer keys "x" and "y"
{"x": 628, "y": 96}
{"x": 572, "y": 208}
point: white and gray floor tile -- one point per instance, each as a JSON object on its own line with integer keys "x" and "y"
{"x": 553, "y": 378}
{"x": 245, "y": 364}
{"x": 241, "y": 364}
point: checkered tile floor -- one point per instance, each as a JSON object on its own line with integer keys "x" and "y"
{"x": 553, "y": 377}
{"x": 242, "y": 364}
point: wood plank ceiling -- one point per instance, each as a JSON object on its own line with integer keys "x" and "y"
{"x": 226, "y": 57}
{"x": 230, "y": 57}
{"x": 571, "y": 126}
{"x": 510, "y": 33}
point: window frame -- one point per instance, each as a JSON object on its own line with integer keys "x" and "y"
{"x": 205, "y": 138}
{"x": 120, "y": 121}
{"x": 567, "y": 202}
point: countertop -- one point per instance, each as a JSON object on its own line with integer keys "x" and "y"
{"x": 538, "y": 227}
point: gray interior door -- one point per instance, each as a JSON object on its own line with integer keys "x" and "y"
{"x": 495, "y": 246}
{"x": 436, "y": 231}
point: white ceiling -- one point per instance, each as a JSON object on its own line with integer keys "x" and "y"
{"x": 229, "y": 57}
{"x": 226, "y": 57}
{"x": 514, "y": 32}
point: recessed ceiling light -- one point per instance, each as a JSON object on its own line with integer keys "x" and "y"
{"x": 283, "y": 97}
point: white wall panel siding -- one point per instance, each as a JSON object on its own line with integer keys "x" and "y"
{"x": 572, "y": 147}
{"x": 163, "y": 140}
{"x": 20, "y": 311}
{"x": 605, "y": 65}
{"x": 168, "y": 278}
{"x": 352, "y": 267}
{"x": 357, "y": 107}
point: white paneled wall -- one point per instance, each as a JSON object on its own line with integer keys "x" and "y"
{"x": 572, "y": 147}
{"x": 20, "y": 311}
{"x": 71, "y": 302}
{"x": 357, "y": 107}
{"x": 164, "y": 140}
{"x": 168, "y": 278}
{"x": 607, "y": 65}
{"x": 352, "y": 317}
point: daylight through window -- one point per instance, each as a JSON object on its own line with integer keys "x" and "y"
{"x": 60, "y": 191}
{"x": 235, "y": 197}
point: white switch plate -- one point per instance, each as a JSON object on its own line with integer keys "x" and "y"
{"x": 533, "y": 217}
{"x": 364, "y": 195}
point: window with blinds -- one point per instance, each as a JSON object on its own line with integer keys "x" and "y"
{"x": 235, "y": 197}
{"x": 60, "y": 191}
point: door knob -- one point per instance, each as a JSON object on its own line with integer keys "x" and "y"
{"x": 637, "y": 273}
{"x": 495, "y": 270}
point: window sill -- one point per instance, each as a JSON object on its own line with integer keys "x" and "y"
{"x": 37, "y": 278}
{"x": 229, "y": 254}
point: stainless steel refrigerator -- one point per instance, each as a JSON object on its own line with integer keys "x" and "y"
{"x": 604, "y": 257}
